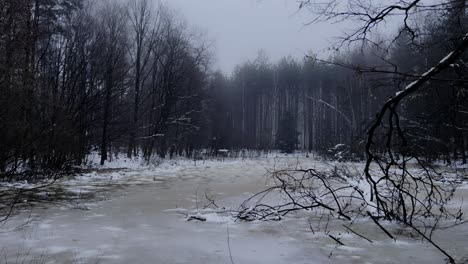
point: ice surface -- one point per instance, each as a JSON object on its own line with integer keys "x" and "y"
{"x": 144, "y": 220}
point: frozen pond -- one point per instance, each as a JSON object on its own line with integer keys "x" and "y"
{"x": 144, "y": 223}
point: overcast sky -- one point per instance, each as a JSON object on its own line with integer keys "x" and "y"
{"x": 240, "y": 28}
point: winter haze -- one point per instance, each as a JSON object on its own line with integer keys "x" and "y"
{"x": 233, "y": 131}
{"x": 243, "y": 27}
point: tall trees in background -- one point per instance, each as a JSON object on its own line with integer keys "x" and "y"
{"x": 333, "y": 101}
{"x": 114, "y": 77}
{"x": 321, "y": 105}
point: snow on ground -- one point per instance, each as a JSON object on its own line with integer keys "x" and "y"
{"x": 142, "y": 218}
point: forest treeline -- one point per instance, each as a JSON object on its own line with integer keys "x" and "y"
{"x": 315, "y": 104}
{"x": 132, "y": 77}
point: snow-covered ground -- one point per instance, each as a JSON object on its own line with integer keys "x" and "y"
{"x": 137, "y": 214}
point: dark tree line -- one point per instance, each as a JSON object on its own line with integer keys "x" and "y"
{"x": 315, "y": 106}
{"x": 111, "y": 77}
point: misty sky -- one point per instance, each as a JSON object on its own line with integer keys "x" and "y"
{"x": 241, "y": 27}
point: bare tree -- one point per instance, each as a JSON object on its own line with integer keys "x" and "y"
{"x": 145, "y": 32}
{"x": 112, "y": 42}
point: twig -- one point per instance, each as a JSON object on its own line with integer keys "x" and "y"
{"x": 379, "y": 225}
{"x": 337, "y": 240}
{"x": 357, "y": 234}
{"x": 229, "y": 244}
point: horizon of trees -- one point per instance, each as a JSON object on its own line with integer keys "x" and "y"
{"x": 133, "y": 78}
{"x": 328, "y": 103}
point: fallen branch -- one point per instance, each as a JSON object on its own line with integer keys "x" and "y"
{"x": 336, "y": 240}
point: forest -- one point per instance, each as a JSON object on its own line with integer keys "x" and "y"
{"x": 134, "y": 78}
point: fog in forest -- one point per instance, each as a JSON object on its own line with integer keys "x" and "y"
{"x": 247, "y": 131}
